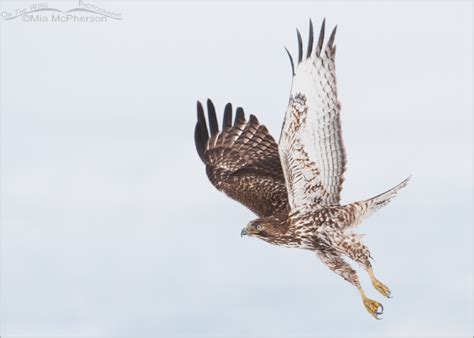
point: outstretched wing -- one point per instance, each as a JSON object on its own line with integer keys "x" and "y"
{"x": 311, "y": 147}
{"x": 242, "y": 160}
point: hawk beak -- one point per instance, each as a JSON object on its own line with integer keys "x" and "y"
{"x": 243, "y": 232}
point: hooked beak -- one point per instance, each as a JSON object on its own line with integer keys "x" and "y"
{"x": 243, "y": 232}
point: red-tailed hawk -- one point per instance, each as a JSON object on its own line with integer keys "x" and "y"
{"x": 294, "y": 186}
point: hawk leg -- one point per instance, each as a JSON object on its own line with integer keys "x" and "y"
{"x": 378, "y": 285}
{"x": 352, "y": 246}
{"x": 336, "y": 263}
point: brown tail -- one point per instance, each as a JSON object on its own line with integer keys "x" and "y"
{"x": 366, "y": 208}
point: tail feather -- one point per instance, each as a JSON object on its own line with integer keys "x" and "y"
{"x": 366, "y": 208}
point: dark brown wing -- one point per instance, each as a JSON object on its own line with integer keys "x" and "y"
{"x": 242, "y": 160}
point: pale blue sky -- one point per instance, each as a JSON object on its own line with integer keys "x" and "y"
{"x": 110, "y": 227}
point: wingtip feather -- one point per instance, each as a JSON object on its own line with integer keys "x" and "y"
{"x": 291, "y": 61}
{"x": 211, "y": 114}
{"x": 300, "y": 46}
{"x": 199, "y": 142}
{"x": 227, "y": 120}
{"x": 319, "y": 47}
{"x": 239, "y": 116}
{"x": 310, "y": 39}
{"x": 332, "y": 37}
{"x": 202, "y": 122}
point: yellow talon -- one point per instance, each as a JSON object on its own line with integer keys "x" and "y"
{"x": 379, "y": 286}
{"x": 374, "y": 307}
{"x": 382, "y": 288}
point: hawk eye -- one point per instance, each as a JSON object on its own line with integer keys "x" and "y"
{"x": 259, "y": 227}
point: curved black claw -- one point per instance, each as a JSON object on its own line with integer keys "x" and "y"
{"x": 379, "y": 312}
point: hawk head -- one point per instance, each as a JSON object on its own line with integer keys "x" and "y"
{"x": 267, "y": 228}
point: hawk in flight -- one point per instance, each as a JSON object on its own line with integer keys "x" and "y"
{"x": 294, "y": 186}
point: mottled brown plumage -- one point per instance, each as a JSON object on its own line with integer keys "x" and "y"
{"x": 294, "y": 187}
{"x": 242, "y": 160}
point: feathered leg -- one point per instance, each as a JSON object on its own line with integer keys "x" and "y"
{"x": 336, "y": 263}
{"x": 352, "y": 246}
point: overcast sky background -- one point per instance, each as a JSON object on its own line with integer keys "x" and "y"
{"x": 110, "y": 227}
